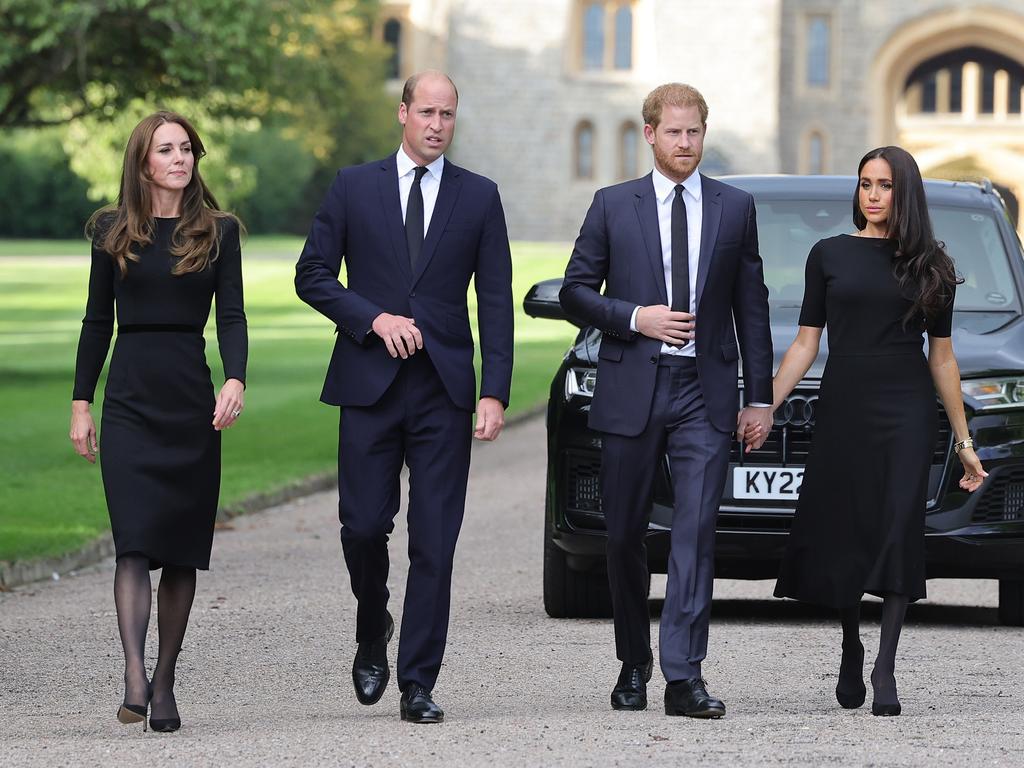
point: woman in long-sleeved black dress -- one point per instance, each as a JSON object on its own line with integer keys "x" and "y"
{"x": 160, "y": 257}
{"x": 859, "y": 524}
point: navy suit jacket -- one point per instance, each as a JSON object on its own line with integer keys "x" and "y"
{"x": 360, "y": 221}
{"x": 619, "y": 247}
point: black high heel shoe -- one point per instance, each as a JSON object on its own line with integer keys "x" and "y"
{"x": 165, "y": 724}
{"x": 890, "y": 704}
{"x": 134, "y": 713}
{"x": 850, "y": 690}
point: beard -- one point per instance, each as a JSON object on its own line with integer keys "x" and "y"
{"x": 680, "y": 166}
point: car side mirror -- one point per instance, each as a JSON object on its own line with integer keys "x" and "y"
{"x": 542, "y": 301}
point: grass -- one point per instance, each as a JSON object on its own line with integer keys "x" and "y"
{"x": 51, "y": 500}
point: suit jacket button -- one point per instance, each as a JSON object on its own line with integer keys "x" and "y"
{"x": 412, "y": 294}
{"x": 654, "y": 358}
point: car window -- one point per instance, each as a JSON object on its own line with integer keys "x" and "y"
{"x": 787, "y": 229}
{"x": 972, "y": 240}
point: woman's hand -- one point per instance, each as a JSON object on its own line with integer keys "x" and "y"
{"x": 974, "y": 474}
{"x": 83, "y": 431}
{"x": 230, "y": 402}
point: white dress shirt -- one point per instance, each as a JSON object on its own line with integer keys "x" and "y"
{"x": 429, "y": 184}
{"x": 664, "y": 193}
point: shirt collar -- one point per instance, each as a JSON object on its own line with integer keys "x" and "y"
{"x": 664, "y": 187}
{"x": 406, "y": 164}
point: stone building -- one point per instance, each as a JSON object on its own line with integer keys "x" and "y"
{"x": 551, "y": 89}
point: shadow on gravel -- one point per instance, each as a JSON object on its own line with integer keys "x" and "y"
{"x": 790, "y": 611}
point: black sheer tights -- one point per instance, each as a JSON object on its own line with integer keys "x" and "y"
{"x": 851, "y": 669}
{"x": 133, "y": 600}
{"x": 883, "y": 676}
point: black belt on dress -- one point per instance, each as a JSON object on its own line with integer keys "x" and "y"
{"x": 159, "y": 328}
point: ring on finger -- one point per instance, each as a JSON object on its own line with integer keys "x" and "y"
{"x": 235, "y": 413}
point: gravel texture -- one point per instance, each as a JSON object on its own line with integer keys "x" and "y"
{"x": 264, "y": 675}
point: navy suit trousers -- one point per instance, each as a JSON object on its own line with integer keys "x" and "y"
{"x": 415, "y": 423}
{"x": 698, "y": 456}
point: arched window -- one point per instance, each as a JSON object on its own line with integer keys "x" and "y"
{"x": 584, "y": 150}
{"x": 970, "y": 80}
{"x": 593, "y": 36}
{"x": 393, "y": 39}
{"x": 816, "y": 152}
{"x": 624, "y": 37}
{"x": 629, "y": 142}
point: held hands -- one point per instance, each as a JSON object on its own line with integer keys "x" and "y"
{"x": 83, "y": 431}
{"x": 659, "y": 322}
{"x": 974, "y": 474}
{"x": 230, "y": 402}
{"x": 753, "y": 425}
{"x": 400, "y": 334}
{"x": 490, "y": 418}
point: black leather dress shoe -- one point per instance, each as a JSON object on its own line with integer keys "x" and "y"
{"x": 417, "y": 706}
{"x": 370, "y": 670}
{"x": 630, "y": 691}
{"x": 691, "y": 698}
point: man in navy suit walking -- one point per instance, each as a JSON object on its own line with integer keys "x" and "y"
{"x": 677, "y": 255}
{"x": 413, "y": 230}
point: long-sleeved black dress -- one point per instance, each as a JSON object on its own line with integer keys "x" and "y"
{"x": 159, "y": 452}
{"x": 859, "y": 524}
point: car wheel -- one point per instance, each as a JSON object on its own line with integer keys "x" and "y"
{"x": 572, "y": 594}
{"x": 1011, "y": 602}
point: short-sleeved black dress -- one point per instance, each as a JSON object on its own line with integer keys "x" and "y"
{"x": 159, "y": 452}
{"x": 859, "y": 524}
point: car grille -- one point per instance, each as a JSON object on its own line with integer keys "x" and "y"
{"x": 582, "y": 483}
{"x": 1003, "y": 500}
{"x": 789, "y": 443}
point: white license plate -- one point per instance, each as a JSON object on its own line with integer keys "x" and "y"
{"x": 767, "y": 483}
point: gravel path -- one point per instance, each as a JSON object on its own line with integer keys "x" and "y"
{"x": 264, "y": 677}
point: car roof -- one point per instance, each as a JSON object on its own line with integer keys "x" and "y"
{"x": 794, "y": 187}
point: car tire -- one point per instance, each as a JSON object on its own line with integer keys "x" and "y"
{"x": 1011, "y": 602}
{"x": 572, "y": 594}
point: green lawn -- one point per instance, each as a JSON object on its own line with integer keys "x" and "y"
{"x": 51, "y": 501}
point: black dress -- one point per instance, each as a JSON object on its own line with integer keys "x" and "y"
{"x": 859, "y": 524}
{"x": 159, "y": 453}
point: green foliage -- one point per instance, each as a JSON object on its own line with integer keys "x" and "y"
{"x": 40, "y": 195}
{"x": 63, "y": 59}
{"x": 283, "y": 92}
{"x": 283, "y": 172}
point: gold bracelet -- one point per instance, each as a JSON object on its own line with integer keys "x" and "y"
{"x": 966, "y": 443}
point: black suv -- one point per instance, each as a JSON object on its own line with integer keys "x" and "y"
{"x": 978, "y": 535}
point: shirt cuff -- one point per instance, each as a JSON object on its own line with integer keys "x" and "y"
{"x": 632, "y": 319}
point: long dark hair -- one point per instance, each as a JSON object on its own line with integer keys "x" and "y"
{"x": 196, "y": 238}
{"x": 922, "y": 267}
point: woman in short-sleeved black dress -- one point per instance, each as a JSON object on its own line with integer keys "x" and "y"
{"x": 160, "y": 257}
{"x": 859, "y": 524}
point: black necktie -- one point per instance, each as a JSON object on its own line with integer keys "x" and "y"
{"x": 414, "y": 216}
{"x": 680, "y": 255}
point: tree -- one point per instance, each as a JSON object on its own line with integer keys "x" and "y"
{"x": 65, "y": 59}
{"x": 283, "y": 91}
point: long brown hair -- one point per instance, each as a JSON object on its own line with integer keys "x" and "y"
{"x": 119, "y": 228}
{"x": 922, "y": 267}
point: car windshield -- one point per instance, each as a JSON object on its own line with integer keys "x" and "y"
{"x": 788, "y": 228}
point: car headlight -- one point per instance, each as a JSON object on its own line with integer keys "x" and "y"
{"x": 580, "y": 382}
{"x": 995, "y": 393}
